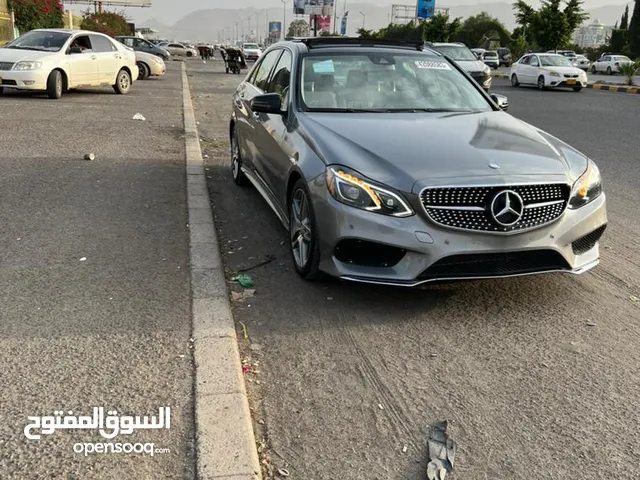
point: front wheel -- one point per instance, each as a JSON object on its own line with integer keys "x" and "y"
{"x": 514, "y": 81}
{"x": 609, "y": 71}
{"x": 577, "y": 89}
{"x": 123, "y": 82}
{"x": 54, "y": 85}
{"x": 593, "y": 69}
{"x": 189, "y": 54}
{"x": 143, "y": 71}
{"x": 541, "y": 85}
{"x": 305, "y": 250}
{"x": 236, "y": 162}
{"x": 1, "y": 90}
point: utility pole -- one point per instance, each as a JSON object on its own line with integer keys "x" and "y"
{"x": 284, "y": 18}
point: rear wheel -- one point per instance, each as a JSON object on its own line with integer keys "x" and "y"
{"x": 302, "y": 233}
{"x": 54, "y": 85}
{"x": 123, "y": 82}
{"x": 236, "y": 161}
{"x": 541, "y": 85}
{"x": 1, "y": 90}
{"x": 143, "y": 71}
{"x": 189, "y": 54}
{"x": 514, "y": 81}
{"x": 593, "y": 69}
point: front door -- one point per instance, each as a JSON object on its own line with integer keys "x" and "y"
{"x": 109, "y": 59}
{"x": 82, "y": 63}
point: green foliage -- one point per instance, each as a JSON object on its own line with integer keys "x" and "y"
{"x": 298, "y": 28}
{"x": 549, "y": 27}
{"x": 31, "y": 14}
{"x": 518, "y": 46}
{"x": 624, "y": 22}
{"x": 436, "y": 29}
{"x": 618, "y": 40}
{"x": 482, "y": 31}
{"x": 629, "y": 70}
{"x": 634, "y": 31}
{"x": 109, "y": 23}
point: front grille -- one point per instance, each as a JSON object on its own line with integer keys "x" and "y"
{"x": 586, "y": 243}
{"x": 469, "y": 208}
{"x": 570, "y": 76}
{"x": 6, "y": 66}
{"x": 478, "y": 265}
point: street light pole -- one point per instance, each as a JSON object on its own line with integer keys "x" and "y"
{"x": 284, "y": 18}
{"x": 363, "y": 18}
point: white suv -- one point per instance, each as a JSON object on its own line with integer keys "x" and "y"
{"x": 609, "y": 63}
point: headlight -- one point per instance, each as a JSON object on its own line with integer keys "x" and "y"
{"x": 554, "y": 74}
{"x": 27, "y": 65}
{"x": 587, "y": 188}
{"x": 350, "y": 188}
{"x": 487, "y": 70}
{"x": 157, "y": 60}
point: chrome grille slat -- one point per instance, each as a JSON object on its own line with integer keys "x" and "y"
{"x": 468, "y": 208}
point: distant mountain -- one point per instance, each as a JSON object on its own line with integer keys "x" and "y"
{"x": 219, "y": 24}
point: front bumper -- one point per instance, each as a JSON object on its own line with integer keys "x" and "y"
{"x": 562, "y": 82}
{"x": 24, "y": 80}
{"x": 427, "y": 246}
{"x": 158, "y": 70}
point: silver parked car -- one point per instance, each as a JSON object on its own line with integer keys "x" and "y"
{"x": 388, "y": 164}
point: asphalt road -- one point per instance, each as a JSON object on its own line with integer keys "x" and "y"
{"x": 112, "y": 330}
{"x": 537, "y": 376}
{"x": 591, "y": 77}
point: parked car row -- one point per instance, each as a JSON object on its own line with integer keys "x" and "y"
{"x": 58, "y": 60}
{"x": 493, "y": 58}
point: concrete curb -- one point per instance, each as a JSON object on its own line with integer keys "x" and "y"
{"x": 594, "y": 86}
{"x": 226, "y": 448}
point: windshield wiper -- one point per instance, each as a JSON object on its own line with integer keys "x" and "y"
{"x": 350, "y": 110}
{"x": 37, "y": 49}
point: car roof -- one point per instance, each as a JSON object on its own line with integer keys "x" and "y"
{"x": 349, "y": 44}
{"x": 65, "y": 30}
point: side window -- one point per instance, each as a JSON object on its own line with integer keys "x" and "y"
{"x": 128, "y": 42}
{"x": 535, "y": 62}
{"x": 83, "y": 42}
{"x": 525, "y": 60}
{"x": 279, "y": 82}
{"x": 263, "y": 70}
{"x": 101, "y": 44}
{"x": 606, "y": 59}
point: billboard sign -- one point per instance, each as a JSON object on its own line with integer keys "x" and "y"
{"x": 426, "y": 8}
{"x": 324, "y": 22}
{"x": 313, "y": 7}
{"x": 275, "y": 30}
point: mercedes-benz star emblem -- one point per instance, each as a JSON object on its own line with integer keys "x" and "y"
{"x": 495, "y": 166}
{"x": 507, "y": 208}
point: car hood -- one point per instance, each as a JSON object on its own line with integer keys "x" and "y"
{"x": 410, "y": 151}
{"x": 472, "y": 65}
{"x": 14, "y": 55}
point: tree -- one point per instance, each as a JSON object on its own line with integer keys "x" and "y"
{"x": 549, "y": 27}
{"x": 624, "y": 22}
{"x": 618, "y": 40}
{"x": 109, "y": 23}
{"x": 298, "y": 28}
{"x": 437, "y": 29}
{"x": 481, "y": 30}
{"x": 30, "y": 14}
{"x": 518, "y": 45}
{"x": 634, "y": 31}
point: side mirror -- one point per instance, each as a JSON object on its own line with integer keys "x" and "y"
{"x": 267, "y": 103}
{"x": 73, "y": 50}
{"x": 500, "y": 100}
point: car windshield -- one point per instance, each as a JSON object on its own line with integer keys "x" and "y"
{"x": 623, "y": 59}
{"x": 251, "y": 46}
{"x": 554, "y": 61}
{"x": 386, "y": 82}
{"x": 455, "y": 52}
{"x": 40, "y": 41}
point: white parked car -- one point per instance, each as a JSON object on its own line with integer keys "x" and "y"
{"x": 251, "y": 51}
{"x": 581, "y": 62}
{"x": 547, "y": 70}
{"x": 57, "y": 60}
{"x": 149, "y": 65}
{"x": 609, "y": 64}
{"x": 180, "y": 50}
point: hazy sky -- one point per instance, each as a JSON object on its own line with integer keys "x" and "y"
{"x": 170, "y": 11}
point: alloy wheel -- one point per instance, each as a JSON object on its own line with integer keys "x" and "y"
{"x": 301, "y": 234}
{"x": 124, "y": 81}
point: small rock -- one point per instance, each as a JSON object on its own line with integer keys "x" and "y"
{"x": 139, "y": 116}
{"x": 380, "y": 406}
{"x": 433, "y": 355}
{"x": 592, "y": 324}
{"x": 256, "y": 347}
{"x": 83, "y": 259}
{"x": 90, "y": 156}
{"x": 404, "y": 449}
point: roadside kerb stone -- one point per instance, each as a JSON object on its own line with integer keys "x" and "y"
{"x": 226, "y": 447}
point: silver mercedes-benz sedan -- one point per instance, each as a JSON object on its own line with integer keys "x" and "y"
{"x": 388, "y": 164}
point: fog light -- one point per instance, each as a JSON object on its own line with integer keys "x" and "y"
{"x": 29, "y": 82}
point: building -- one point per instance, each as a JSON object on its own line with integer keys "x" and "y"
{"x": 594, "y": 34}
{"x": 6, "y": 27}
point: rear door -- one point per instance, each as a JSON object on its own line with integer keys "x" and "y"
{"x": 83, "y": 67}
{"x": 533, "y": 69}
{"x": 109, "y": 59}
{"x": 521, "y": 69}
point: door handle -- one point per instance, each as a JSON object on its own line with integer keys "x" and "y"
{"x": 117, "y": 56}
{"x": 93, "y": 57}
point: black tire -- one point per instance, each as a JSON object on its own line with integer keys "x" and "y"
{"x": 1, "y": 90}
{"x": 593, "y": 69}
{"x": 514, "y": 81}
{"x": 123, "y": 82}
{"x": 310, "y": 270}
{"x": 54, "y": 85}
{"x": 541, "y": 85}
{"x": 144, "y": 71}
{"x": 577, "y": 89}
{"x": 236, "y": 162}
{"x": 609, "y": 71}
{"x": 189, "y": 54}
